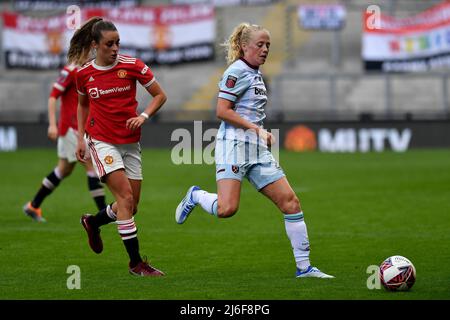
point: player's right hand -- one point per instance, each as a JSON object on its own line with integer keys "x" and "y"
{"x": 81, "y": 151}
{"x": 268, "y": 137}
{"x": 52, "y": 132}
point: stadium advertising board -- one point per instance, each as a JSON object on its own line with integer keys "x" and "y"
{"x": 418, "y": 43}
{"x": 349, "y": 137}
{"x": 321, "y": 16}
{"x": 157, "y": 35}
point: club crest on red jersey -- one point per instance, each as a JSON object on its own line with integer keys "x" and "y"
{"x": 122, "y": 73}
{"x": 231, "y": 81}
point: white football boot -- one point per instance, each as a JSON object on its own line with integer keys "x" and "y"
{"x": 312, "y": 272}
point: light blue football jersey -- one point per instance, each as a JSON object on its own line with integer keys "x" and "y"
{"x": 243, "y": 85}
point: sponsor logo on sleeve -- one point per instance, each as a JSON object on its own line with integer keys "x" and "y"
{"x": 231, "y": 82}
{"x": 62, "y": 76}
{"x": 144, "y": 70}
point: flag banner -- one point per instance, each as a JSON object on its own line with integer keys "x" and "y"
{"x": 43, "y": 5}
{"x": 157, "y": 35}
{"x": 227, "y": 3}
{"x": 418, "y": 43}
{"x": 35, "y": 43}
{"x": 165, "y": 34}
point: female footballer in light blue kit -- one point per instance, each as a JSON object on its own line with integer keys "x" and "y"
{"x": 242, "y": 146}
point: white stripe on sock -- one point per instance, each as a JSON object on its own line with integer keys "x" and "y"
{"x": 97, "y": 192}
{"x": 92, "y": 174}
{"x": 127, "y": 228}
{"x": 48, "y": 184}
{"x": 111, "y": 213}
{"x": 58, "y": 173}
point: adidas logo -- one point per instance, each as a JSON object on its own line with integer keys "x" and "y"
{"x": 91, "y": 79}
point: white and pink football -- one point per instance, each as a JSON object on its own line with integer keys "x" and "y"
{"x": 397, "y": 273}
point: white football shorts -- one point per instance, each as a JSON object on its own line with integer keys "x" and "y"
{"x": 107, "y": 157}
{"x": 67, "y": 145}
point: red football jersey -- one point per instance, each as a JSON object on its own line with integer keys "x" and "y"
{"x": 111, "y": 91}
{"x": 65, "y": 87}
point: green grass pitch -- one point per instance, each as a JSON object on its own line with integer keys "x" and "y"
{"x": 359, "y": 209}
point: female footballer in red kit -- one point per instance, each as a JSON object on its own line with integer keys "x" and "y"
{"x": 65, "y": 132}
{"x": 108, "y": 120}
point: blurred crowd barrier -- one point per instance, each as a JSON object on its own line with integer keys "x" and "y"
{"x": 349, "y": 60}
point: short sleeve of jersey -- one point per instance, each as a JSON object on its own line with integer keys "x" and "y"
{"x": 65, "y": 79}
{"x": 80, "y": 84}
{"x": 143, "y": 74}
{"x": 232, "y": 84}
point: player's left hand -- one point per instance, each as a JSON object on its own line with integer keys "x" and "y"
{"x": 135, "y": 123}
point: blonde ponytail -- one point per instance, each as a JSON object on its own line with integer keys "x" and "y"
{"x": 240, "y": 35}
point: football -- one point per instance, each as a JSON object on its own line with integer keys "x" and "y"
{"x": 397, "y": 273}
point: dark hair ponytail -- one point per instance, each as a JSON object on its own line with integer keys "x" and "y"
{"x": 80, "y": 44}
